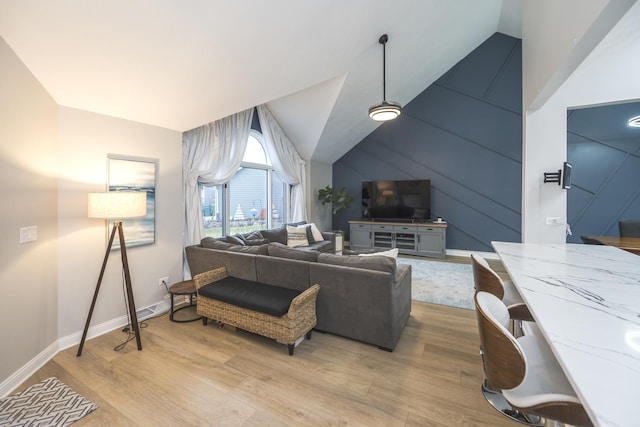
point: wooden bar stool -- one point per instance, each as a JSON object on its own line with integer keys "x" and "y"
{"x": 186, "y": 287}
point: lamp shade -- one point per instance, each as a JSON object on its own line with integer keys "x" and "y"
{"x": 117, "y": 204}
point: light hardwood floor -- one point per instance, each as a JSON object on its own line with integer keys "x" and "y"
{"x": 193, "y": 375}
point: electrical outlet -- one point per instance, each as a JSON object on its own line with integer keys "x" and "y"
{"x": 163, "y": 281}
{"x": 553, "y": 220}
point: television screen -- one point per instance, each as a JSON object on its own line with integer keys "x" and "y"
{"x": 397, "y": 200}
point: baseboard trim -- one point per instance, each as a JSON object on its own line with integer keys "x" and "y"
{"x": 22, "y": 374}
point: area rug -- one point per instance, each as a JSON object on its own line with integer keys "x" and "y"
{"x": 441, "y": 282}
{"x": 47, "y": 403}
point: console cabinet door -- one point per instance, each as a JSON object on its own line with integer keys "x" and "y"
{"x": 405, "y": 238}
{"x": 361, "y": 236}
{"x": 431, "y": 242}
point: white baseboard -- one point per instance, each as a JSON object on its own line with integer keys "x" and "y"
{"x": 21, "y": 375}
{"x": 27, "y": 370}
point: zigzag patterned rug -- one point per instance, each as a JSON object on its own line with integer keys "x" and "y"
{"x": 47, "y": 403}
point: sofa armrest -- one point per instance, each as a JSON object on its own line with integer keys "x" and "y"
{"x": 209, "y": 276}
{"x": 329, "y": 235}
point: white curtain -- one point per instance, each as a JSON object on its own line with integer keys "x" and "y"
{"x": 286, "y": 162}
{"x": 211, "y": 155}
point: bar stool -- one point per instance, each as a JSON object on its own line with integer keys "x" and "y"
{"x": 186, "y": 287}
{"x": 524, "y": 369}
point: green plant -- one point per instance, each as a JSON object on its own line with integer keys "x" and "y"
{"x": 339, "y": 200}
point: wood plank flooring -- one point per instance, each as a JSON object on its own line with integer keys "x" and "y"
{"x": 193, "y": 375}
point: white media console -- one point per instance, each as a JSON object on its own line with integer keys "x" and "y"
{"x": 423, "y": 238}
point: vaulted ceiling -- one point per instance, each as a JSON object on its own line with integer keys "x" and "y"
{"x": 180, "y": 64}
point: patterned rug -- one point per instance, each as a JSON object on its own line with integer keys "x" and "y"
{"x": 439, "y": 282}
{"x": 47, "y": 403}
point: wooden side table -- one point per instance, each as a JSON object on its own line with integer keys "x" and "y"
{"x": 186, "y": 287}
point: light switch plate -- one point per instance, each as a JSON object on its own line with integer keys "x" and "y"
{"x": 28, "y": 234}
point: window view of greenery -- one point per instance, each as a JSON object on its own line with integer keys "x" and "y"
{"x": 254, "y": 199}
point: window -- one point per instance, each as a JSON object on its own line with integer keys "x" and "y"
{"x": 254, "y": 199}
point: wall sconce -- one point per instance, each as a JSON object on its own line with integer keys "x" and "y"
{"x": 562, "y": 177}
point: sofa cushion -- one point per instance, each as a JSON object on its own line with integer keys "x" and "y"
{"x": 253, "y": 238}
{"x": 235, "y": 239}
{"x": 378, "y": 263}
{"x": 284, "y": 251}
{"x": 211, "y": 243}
{"x": 268, "y": 299}
{"x": 391, "y": 253}
{"x": 275, "y": 234}
{"x": 257, "y": 250}
{"x": 297, "y": 236}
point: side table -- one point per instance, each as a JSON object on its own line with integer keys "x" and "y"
{"x": 186, "y": 287}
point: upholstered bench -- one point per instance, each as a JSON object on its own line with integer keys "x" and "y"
{"x": 285, "y": 315}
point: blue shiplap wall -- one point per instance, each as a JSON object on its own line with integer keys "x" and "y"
{"x": 605, "y": 154}
{"x": 464, "y": 133}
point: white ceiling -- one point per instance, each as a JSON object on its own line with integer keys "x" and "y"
{"x": 180, "y": 64}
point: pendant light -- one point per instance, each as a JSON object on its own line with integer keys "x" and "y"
{"x": 386, "y": 110}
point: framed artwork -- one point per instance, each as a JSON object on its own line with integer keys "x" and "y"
{"x": 127, "y": 173}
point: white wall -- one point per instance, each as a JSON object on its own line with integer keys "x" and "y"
{"x": 50, "y": 158}
{"x": 546, "y": 98}
{"x": 319, "y": 177}
{"x": 28, "y": 172}
{"x": 86, "y": 139}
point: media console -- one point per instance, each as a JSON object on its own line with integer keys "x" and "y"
{"x": 422, "y": 238}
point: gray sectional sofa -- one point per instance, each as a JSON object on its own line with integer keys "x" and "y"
{"x": 363, "y": 298}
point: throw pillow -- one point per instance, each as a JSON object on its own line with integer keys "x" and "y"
{"x": 391, "y": 253}
{"x": 317, "y": 235}
{"x": 275, "y": 235}
{"x": 253, "y": 239}
{"x": 297, "y": 236}
{"x": 236, "y": 240}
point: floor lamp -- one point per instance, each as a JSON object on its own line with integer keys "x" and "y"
{"x": 116, "y": 205}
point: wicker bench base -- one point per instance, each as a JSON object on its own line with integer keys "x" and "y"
{"x": 290, "y": 327}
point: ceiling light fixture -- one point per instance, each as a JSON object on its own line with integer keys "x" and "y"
{"x": 386, "y": 110}
{"x": 634, "y": 122}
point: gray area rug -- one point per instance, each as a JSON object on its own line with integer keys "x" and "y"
{"x": 440, "y": 282}
{"x": 47, "y": 403}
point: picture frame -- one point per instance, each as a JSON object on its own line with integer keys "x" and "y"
{"x": 127, "y": 173}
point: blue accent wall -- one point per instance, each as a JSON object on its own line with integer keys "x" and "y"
{"x": 605, "y": 154}
{"x": 464, "y": 133}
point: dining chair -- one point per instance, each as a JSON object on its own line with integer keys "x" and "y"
{"x": 629, "y": 227}
{"x": 524, "y": 369}
{"x": 589, "y": 241}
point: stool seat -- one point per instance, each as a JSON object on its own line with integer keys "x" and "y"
{"x": 186, "y": 287}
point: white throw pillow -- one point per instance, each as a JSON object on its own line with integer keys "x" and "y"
{"x": 297, "y": 236}
{"x": 317, "y": 235}
{"x": 391, "y": 253}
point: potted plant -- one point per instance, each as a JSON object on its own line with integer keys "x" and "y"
{"x": 339, "y": 200}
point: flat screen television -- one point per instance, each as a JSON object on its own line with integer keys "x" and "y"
{"x": 408, "y": 200}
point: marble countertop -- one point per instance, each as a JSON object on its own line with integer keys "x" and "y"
{"x": 586, "y": 301}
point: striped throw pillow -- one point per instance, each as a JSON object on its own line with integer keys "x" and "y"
{"x": 297, "y": 236}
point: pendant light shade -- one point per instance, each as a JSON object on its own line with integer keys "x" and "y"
{"x": 386, "y": 110}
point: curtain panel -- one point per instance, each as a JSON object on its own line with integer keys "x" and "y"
{"x": 286, "y": 162}
{"x": 211, "y": 155}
